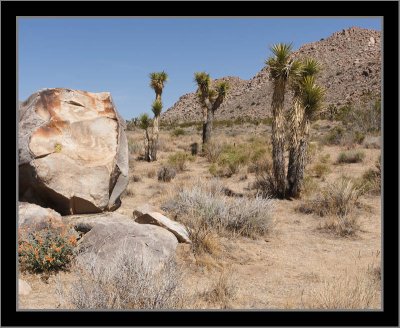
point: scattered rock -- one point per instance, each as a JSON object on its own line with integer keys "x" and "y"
{"x": 73, "y": 152}
{"x": 158, "y": 219}
{"x": 143, "y": 209}
{"x": 23, "y": 287}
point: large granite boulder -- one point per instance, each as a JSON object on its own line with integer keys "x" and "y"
{"x": 73, "y": 152}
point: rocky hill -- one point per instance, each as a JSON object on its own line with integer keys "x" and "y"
{"x": 351, "y": 67}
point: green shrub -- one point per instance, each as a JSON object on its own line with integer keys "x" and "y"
{"x": 178, "y": 132}
{"x": 232, "y": 158}
{"x": 351, "y": 157}
{"x": 320, "y": 170}
{"x": 46, "y": 250}
{"x": 335, "y": 136}
{"x": 179, "y": 160}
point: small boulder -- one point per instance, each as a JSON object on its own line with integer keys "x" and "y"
{"x": 158, "y": 219}
{"x": 23, "y": 287}
{"x": 33, "y": 217}
{"x": 141, "y": 242}
{"x": 143, "y": 209}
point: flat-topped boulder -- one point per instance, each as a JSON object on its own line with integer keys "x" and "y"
{"x": 73, "y": 151}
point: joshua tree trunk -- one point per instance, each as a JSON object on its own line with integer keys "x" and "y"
{"x": 147, "y": 155}
{"x": 300, "y": 165}
{"x": 207, "y": 127}
{"x": 154, "y": 139}
{"x": 278, "y": 138}
{"x": 296, "y": 119}
{"x": 208, "y": 120}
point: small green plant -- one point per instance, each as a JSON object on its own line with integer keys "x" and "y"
{"x": 179, "y": 160}
{"x": 335, "y": 136}
{"x": 351, "y": 157}
{"x": 57, "y": 147}
{"x": 46, "y": 250}
{"x": 320, "y": 170}
{"x": 178, "y": 132}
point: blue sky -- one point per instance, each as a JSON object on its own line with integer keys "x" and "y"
{"x": 117, "y": 55}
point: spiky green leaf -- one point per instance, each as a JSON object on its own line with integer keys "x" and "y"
{"x": 156, "y": 107}
{"x": 144, "y": 121}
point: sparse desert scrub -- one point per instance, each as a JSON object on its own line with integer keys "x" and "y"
{"x": 371, "y": 179}
{"x": 336, "y": 203}
{"x": 46, "y": 250}
{"x": 351, "y": 157}
{"x": 151, "y": 173}
{"x": 334, "y": 137}
{"x": 213, "y": 150}
{"x": 222, "y": 291}
{"x": 179, "y": 160}
{"x": 166, "y": 173}
{"x": 134, "y": 146}
{"x": 126, "y": 283}
{"x": 355, "y": 292}
{"x": 178, "y": 132}
{"x": 207, "y": 202}
{"x": 320, "y": 170}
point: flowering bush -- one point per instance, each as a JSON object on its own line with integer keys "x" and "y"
{"x": 46, "y": 250}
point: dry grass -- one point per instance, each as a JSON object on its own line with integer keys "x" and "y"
{"x": 344, "y": 292}
{"x": 206, "y": 204}
{"x": 125, "y": 283}
{"x": 151, "y": 173}
{"x": 223, "y": 290}
{"x": 351, "y": 157}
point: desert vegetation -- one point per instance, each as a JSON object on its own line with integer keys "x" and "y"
{"x": 254, "y": 219}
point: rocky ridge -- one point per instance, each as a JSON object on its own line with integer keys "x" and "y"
{"x": 351, "y": 67}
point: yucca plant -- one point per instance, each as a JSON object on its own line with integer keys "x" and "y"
{"x": 145, "y": 123}
{"x": 211, "y": 98}
{"x": 281, "y": 70}
{"x": 305, "y": 94}
{"x": 157, "y": 82}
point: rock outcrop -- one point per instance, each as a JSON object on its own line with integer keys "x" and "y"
{"x": 73, "y": 152}
{"x": 23, "y": 287}
{"x": 351, "y": 67}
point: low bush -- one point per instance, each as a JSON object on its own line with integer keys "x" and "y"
{"x": 205, "y": 204}
{"x": 213, "y": 150}
{"x": 335, "y": 136}
{"x": 126, "y": 283}
{"x": 134, "y": 147}
{"x": 46, "y": 250}
{"x": 178, "y": 132}
{"x": 166, "y": 174}
{"x": 351, "y": 157}
{"x": 320, "y": 170}
{"x": 179, "y": 160}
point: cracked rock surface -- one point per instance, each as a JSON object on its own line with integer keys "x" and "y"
{"x": 73, "y": 153}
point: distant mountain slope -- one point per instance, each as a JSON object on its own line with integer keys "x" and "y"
{"x": 351, "y": 66}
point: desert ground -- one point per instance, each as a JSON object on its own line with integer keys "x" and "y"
{"x": 298, "y": 263}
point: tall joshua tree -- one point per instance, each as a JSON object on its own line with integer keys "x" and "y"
{"x": 281, "y": 70}
{"x": 309, "y": 67}
{"x": 157, "y": 81}
{"x": 211, "y": 98}
{"x": 145, "y": 123}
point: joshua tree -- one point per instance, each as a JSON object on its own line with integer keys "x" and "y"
{"x": 211, "y": 99}
{"x": 309, "y": 68}
{"x": 145, "y": 123}
{"x": 157, "y": 81}
{"x": 311, "y": 101}
{"x": 281, "y": 70}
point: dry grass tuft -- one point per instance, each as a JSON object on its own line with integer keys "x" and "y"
{"x": 126, "y": 283}
{"x": 351, "y": 157}
{"x": 344, "y": 292}
{"x": 222, "y": 291}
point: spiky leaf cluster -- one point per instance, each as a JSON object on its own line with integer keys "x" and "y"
{"x": 156, "y": 107}
{"x": 144, "y": 121}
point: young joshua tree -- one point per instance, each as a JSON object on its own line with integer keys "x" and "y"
{"x": 145, "y": 123}
{"x": 157, "y": 81}
{"x": 281, "y": 70}
{"x": 311, "y": 101}
{"x": 211, "y": 99}
{"x": 310, "y": 67}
